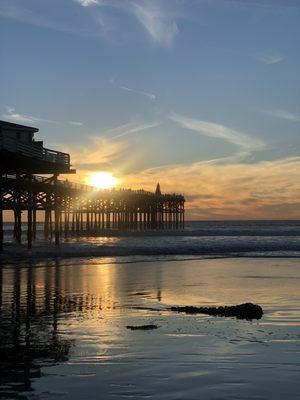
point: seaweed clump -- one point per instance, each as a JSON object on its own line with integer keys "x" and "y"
{"x": 142, "y": 327}
{"x": 242, "y": 311}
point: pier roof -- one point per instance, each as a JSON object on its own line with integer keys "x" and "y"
{"x": 20, "y": 153}
{"x": 12, "y": 125}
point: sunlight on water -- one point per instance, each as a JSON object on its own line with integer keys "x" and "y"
{"x": 63, "y": 325}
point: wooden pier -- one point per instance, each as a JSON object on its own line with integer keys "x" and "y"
{"x": 69, "y": 208}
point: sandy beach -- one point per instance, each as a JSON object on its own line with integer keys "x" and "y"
{"x": 64, "y": 329}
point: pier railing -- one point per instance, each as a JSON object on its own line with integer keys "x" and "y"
{"x": 33, "y": 150}
{"x": 87, "y": 188}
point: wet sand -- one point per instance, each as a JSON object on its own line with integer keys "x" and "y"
{"x": 63, "y": 329}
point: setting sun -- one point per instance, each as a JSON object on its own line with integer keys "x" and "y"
{"x": 103, "y": 180}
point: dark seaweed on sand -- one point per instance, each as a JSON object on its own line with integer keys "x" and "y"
{"x": 142, "y": 327}
{"x": 243, "y": 311}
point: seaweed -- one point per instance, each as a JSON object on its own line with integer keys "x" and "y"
{"x": 142, "y": 327}
{"x": 242, "y": 311}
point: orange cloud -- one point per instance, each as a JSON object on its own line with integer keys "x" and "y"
{"x": 267, "y": 189}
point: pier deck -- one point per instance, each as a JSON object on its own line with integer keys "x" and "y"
{"x": 71, "y": 208}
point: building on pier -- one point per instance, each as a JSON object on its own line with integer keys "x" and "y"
{"x": 71, "y": 208}
{"x": 21, "y": 153}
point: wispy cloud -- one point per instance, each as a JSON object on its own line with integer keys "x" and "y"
{"x": 271, "y": 58}
{"x": 243, "y": 141}
{"x": 158, "y": 18}
{"x": 158, "y": 22}
{"x": 283, "y": 114}
{"x": 87, "y": 3}
{"x": 11, "y": 114}
{"x": 32, "y": 15}
{"x": 75, "y": 123}
{"x": 127, "y": 129}
{"x": 108, "y": 151}
{"x": 149, "y": 95}
{"x": 99, "y": 153}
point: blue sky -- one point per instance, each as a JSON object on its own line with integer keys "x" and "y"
{"x": 181, "y": 91}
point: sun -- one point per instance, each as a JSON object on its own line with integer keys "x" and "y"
{"x": 103, "y": 180}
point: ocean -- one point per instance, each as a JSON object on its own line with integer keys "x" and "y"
{"x": 64, "y": 313}
{"x": 209, "y": 238}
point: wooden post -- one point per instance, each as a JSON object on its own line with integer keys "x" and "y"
{"x": 46, "y": 224}
{"x": 73, "y": 222}
{"x": 56, "y": 225}
{"x": 18, "y": 225}
{"x": 34, "y": 224}
{"x": 1, "y": 227}
{"x": 77, "y": 222}
{"x": 81, "y": 220}
{"x": 1, "y": 214}
{"x": 50, "y": 224}
{"x": 87, "y": 224}
{"x": 29, "y": 228}
{"x": 67, "y": 219}
{"x": 56, "y": 213}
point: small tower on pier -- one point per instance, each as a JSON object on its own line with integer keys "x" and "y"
{"x": 158, "y": 191}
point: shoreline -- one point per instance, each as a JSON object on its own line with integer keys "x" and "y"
{"x": 32, "y": 255}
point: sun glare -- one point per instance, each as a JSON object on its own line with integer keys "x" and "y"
{"x": 103, "y": 180}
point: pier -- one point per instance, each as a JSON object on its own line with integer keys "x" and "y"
{"x": 30, "y": 183}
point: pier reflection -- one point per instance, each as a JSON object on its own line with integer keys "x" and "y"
{"x": 42, "y": 306}
{"x": 29, "y": 331}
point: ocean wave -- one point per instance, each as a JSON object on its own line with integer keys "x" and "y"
{"x": 199, "y": 239}
{"x": 225, "y": 249}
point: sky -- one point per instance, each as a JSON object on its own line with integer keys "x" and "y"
{"x": 200, "y": 95}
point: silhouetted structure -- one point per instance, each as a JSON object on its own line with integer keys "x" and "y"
{"x": 29, "y": 330}
{"x": 71, "y": 208}
{"x": 158, "y": 191}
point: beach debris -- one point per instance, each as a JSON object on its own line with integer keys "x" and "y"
{"x": 142, "y": 327}
{"x": 242, "y": 311}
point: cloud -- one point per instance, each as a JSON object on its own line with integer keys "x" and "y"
{"x": 11, "y": 114}
{"x": 106, "y": 152}
{"x": 99, "y": 153}
{"x": 233, "y": 189}
{"x": 75, "y": 123}
{"x": 32, "y": 15}
{"x": 149, "y": 95}
{"x": 127, "y": 129}
{"x": 244, "y": 142}
{"x": 87, "y": 3}
{"x": 282, "y": 114}
{"x": 271, "y": 58}
{"x": 158, "y": 19}
{"x": 262, "y": 190}
{"x": 158, "y": 22}
{"x": 22, "y": 118}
